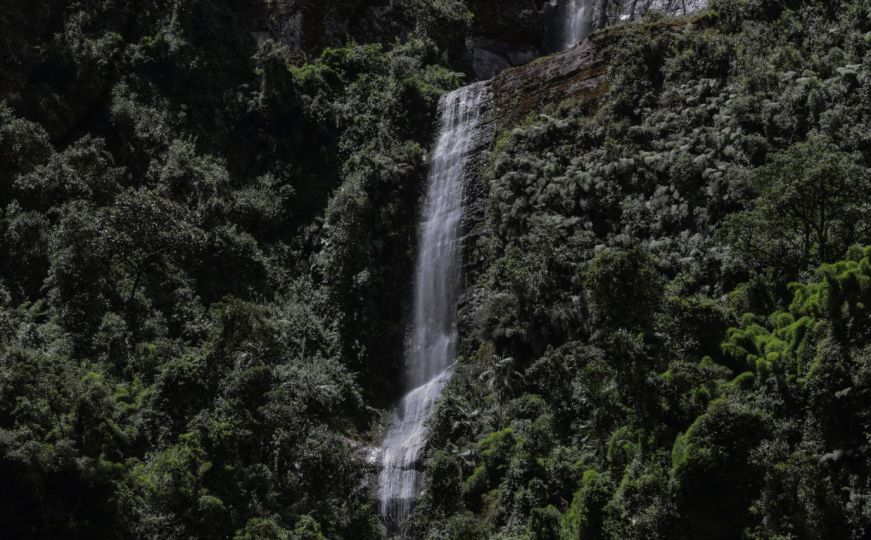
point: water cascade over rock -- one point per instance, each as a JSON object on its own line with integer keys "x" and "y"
{"x": 432, "y": 350}
{"x": 434, "y": 334}
{"x": 573, "y": 23}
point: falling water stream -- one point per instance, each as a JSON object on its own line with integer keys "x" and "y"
{"x": 433, "y": 344}
{"x": 574, "y": 22}
{"x": 434, "y": 333}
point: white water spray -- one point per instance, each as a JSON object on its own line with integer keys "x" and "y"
{"x": 434, "y": 335}
{"x": 575, "y": 22}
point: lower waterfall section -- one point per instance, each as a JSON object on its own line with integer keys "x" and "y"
{"x": 433, "y": 342}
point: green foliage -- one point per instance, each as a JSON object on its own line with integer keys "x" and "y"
{"x": 785, "y": 346}
{"x": 202, "y": 233}
{"x": 811, "y": 206}
{"x": 584, "y": 517}
{"x": 442, "y": 20}
{"x": 624, "y": 289}
{"x": 642, "y": 505}
{"x": 544, "y": 523}
{"x": 262, "y": 529}
{"x": 199, "y": 246}
{"x": 625, "y": 238}
{"x": 713, "y": 466}
{"x": 495, "y": 450}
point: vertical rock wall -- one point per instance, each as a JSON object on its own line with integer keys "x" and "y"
{"x": 502, "y": 33}
{"x": 510, "y": 33}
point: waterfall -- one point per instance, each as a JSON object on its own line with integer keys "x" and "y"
{"x": 567, "y": 23}
{"x": 575, "y": 22}
{"x": 433, "y": 340}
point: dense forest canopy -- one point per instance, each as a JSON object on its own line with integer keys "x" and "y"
{"x": 208, "y": 212}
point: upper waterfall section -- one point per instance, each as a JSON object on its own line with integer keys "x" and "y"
{"x": 498, "y": 34}
{"x": 510, "y": 33}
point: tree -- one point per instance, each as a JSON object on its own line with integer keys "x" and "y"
{"x": 713, "y": 468}
{"x": 813, "y": 202}
{"x": 23, "y": 146}
{"x": 624, "y": 289}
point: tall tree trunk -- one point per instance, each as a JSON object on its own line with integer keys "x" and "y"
{"x": 632, "y": 7}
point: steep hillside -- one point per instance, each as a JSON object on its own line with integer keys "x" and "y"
{"x": 663, "y": 324}
{"x": 200, "y": 245}
{"x": 208, "y": 221}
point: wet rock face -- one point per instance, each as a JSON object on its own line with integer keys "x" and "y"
{"x": 567, "y": 23}
{"x": 504, "y": 33}
{"x": 516, "y": 23}
{"x": 486, "y": 57}
{"x": 626, "y": 10}
{"x": 575, "y": 75}
{"x": 510, "y": 33}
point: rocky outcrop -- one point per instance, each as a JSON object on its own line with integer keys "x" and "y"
{"x": 503, "y": 34}
{"x": 575, "y": 75}
{"x": 487, "y": 57}
{"x": 626, "y": 10}
{"x": 579, "y": 75}
{"x": 511, "y": 33}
